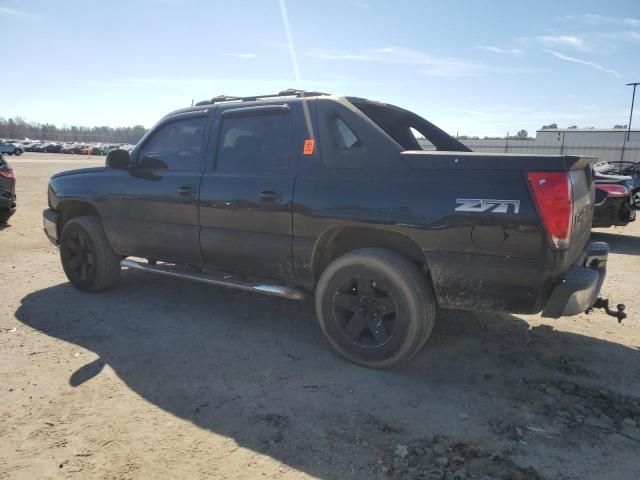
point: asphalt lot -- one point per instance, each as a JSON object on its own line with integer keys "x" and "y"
{"x": 161, "y": 378}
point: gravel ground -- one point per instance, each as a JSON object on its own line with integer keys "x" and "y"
{"x": 160, "y": 378}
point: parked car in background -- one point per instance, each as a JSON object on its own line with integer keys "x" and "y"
{"x": 54, "y": 148}
{"x": 631, "y": 169}
{"x": 68, "y": 149}
{"x": 614, "y": 205}
{"x": 7, "y": 190}
{"x": 10, "y": 148}
{"x": 80, "y": 149}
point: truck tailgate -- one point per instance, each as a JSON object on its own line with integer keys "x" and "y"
{"x": 583, "y": 199}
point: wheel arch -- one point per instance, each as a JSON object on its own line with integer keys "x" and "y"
{"x": 69, "y": 209}
{"x": 338, "y": 241}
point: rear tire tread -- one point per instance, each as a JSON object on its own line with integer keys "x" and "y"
{"x": 411, "y": 278}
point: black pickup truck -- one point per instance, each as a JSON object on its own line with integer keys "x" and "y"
{"x": 303, "y": 193}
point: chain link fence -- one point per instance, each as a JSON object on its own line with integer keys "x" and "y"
{"x": 605, "y": 151}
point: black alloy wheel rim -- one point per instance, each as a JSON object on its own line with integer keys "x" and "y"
{"x": 365, "y": 311}
{"x": 79, "y": 256}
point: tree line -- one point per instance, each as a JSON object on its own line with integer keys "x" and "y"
{"x": 520, "y": 135}
{"x": 18, "y": 128}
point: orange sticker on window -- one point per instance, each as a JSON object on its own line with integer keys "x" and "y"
{"x": 309, "y": 145}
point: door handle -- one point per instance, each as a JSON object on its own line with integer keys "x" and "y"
{"x": 269, "y": 196}
{"x": 187, "y": 191}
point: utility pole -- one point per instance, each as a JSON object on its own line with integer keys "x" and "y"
{"x": 633, "y": 97}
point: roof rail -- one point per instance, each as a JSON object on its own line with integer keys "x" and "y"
{"x": 290, "y": 92}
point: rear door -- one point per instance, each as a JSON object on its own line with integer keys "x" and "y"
{"x": 246, "y": 195}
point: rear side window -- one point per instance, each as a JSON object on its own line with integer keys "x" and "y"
{"x": 254, "y": 143}
{"x": 179, "y": 144}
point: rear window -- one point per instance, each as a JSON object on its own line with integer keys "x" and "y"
{"x": 401, "y": 124}
{"x": 422, "y": 141}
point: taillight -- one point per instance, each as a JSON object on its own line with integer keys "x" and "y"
{"x": 553, "y": 198}
{"x": 614, "y": 190}
{"x": 7, "y": 172}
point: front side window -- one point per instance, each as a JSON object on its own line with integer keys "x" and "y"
{"x": 254, "y": 143}
{"x": 177, "y": 144}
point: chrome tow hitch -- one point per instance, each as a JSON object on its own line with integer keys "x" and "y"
{"x": 603, "y": 303}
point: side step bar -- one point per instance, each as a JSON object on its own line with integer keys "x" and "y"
{"x": 223, "y": 280}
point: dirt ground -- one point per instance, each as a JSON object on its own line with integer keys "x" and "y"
{"x": 161, "y": 378}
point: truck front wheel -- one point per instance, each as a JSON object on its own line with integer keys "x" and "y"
{"x": 87, "y": 258}
{"x": 375, "y": 307}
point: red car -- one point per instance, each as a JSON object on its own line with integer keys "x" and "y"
{"x": 7, "y": 191}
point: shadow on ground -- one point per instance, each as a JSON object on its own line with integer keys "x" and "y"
{"x": 256, "y": 369}
{"x": 618, "y": 243}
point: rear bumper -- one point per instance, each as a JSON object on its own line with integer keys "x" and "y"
{"x": 50, "y": 224}
{"x": 580, "y": 285}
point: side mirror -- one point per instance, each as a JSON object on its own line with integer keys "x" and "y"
{"x": 152, "y": 163}
{"x": 118, "y": 159}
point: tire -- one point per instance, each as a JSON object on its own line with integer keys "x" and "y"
{"x": 88, "y": 260}
{"x": 635, "y": 198}
{"x": 375, "y": 307}
{"x": 17, "y": 152}
{"x": 4, "y": 218}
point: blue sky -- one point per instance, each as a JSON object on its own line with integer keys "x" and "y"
{"x": 474, "y": 67}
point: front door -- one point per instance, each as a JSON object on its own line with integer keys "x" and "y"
{"x": 246, "y": 198}
{"x": 154, "y": 213}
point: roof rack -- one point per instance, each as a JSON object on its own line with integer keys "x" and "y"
{"x": 290, "y": 92}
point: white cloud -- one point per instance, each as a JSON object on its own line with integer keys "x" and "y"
{"x": 10, "y": 12}
{"x": 208, "y": 86}
{"x": 437, "y": 66}
{"x": 431, "y": 65}
{"x": 562, "y": 41}
{"x": 514, "y": 51}
{"x": 242, "y": 56}
{"x": 582, "y": 62}
{"x": 628, "y": 36}
{"x": 594, "y": 19}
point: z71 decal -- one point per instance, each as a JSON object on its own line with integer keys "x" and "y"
{"x": 487, "y": 205}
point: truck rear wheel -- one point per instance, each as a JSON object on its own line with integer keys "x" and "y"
{"x": 87, "y": 258}
{"x": 375, "y": 307}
